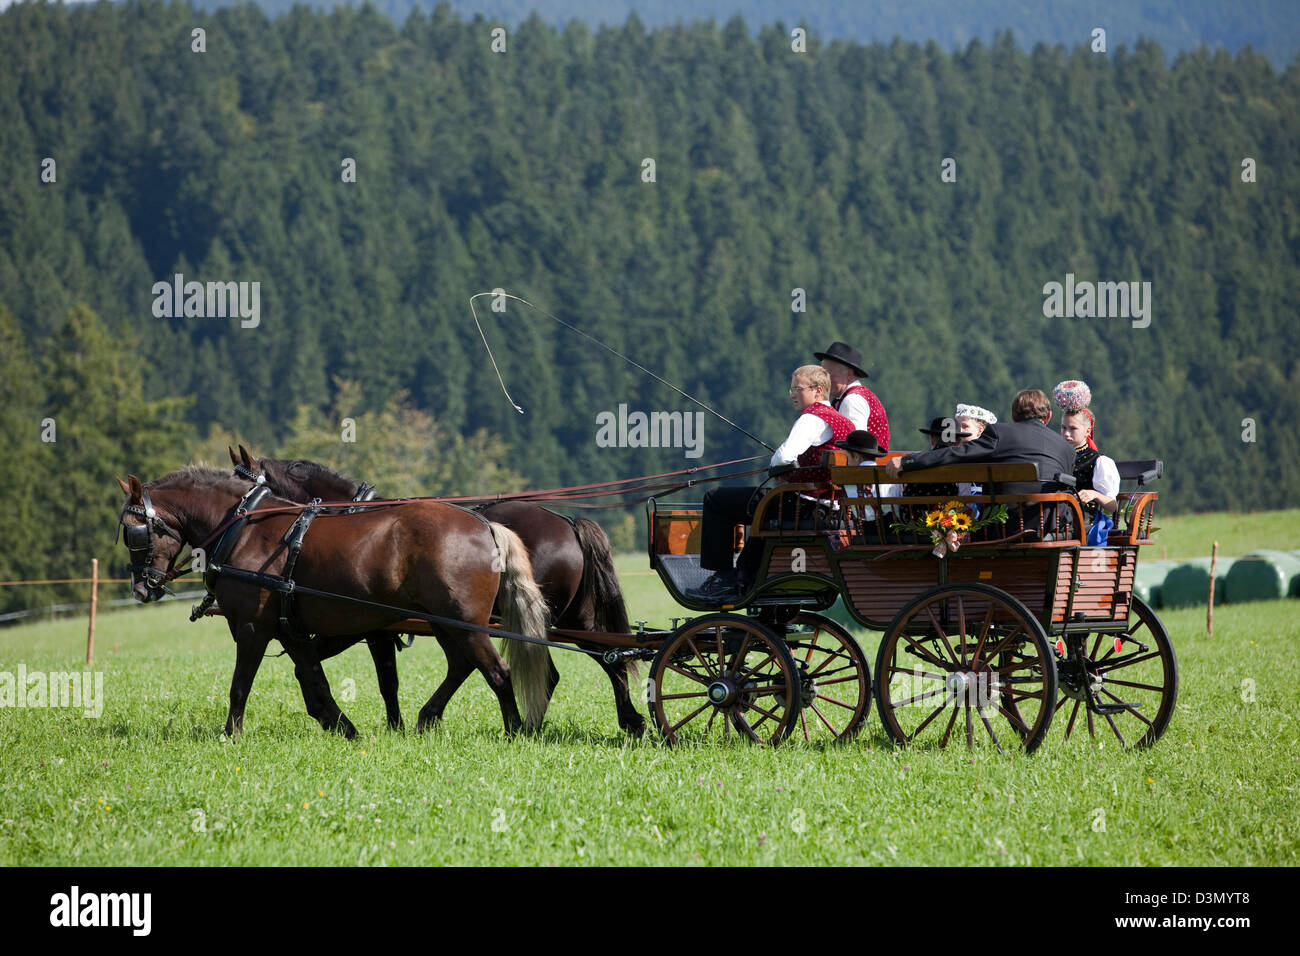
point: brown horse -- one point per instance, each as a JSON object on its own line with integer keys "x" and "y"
{"x": 571, "y": 562}
{"x": 422, "y": 556}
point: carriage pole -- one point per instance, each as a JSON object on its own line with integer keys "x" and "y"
{"x": 94, "y": 603}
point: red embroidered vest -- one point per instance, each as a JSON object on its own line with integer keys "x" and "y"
{"x": 810, "y": 470}
{"x": 877, "y": 422}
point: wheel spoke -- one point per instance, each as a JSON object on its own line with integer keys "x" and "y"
{"x": 708, "y": 669}
{"x": 933, "y": 714}
{"x": 943, "y": 744}
{"x": 984, "y": 633}
{"x": 1073, "y": 714}
{"x": 687, "y": 719}
{"x": 822, "y": 717}
{"x": 703, "y": 693}
{"x": 1128, "y": 661}
{"x": 934, "y": 619}
{"x": 688, "y": 674}
{"x": 989, "y": 728}
{"x": 1129, "y": 683}
{"x": 970, "y": 736}
{"x": 961, "y": 627}
{"x": 1111, "y": 720}
{"x": 1015, "y": 720}
{"x": 918, "y": 698}
{"x": 924, "y": 653}
{"x": 832, "y": 700}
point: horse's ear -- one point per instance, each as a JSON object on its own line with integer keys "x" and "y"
{"x": 136, "y": 491}
{"x": 126, "y": 489}
{"x": 246, "y": 457}
{"x": 234, "y": 459}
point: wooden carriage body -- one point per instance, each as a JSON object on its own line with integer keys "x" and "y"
{"x": 815, "y": 550}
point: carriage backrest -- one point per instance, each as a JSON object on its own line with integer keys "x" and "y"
{"x": 1143, "y": 471}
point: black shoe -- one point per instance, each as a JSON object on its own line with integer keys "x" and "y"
{"x": 720, "y": 585}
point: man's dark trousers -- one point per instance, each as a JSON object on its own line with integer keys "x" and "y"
{"x": 724, "y": 508}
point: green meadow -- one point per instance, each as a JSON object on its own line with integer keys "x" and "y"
{"x": 152, "y": 782}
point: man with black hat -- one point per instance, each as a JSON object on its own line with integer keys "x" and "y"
{"x": 944, "y": 433}
{"x": 850, "y": 397}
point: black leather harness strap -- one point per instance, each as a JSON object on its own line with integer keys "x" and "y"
{"x": 293, "y": 538}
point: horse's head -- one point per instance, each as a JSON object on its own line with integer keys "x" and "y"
{"x": 151, "y": 541}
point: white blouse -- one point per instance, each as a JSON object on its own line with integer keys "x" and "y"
{"x": 1105, "y": 476}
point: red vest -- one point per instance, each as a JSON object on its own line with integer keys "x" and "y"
{"x": 877, "y": 423}
{"x": 810, "y": 470}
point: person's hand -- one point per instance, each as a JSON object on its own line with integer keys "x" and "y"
{"x": 1088, "y": 496}
{"x": 893, "y": 468}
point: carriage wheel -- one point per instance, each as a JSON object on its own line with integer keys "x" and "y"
{"x": 722, "y": 673}
{"x": 969, "y": 660}
{"x": 835, "y": 678}
{"x": 1132, "y": 678}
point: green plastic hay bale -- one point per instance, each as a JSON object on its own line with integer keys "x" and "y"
{"x": 1187, "y": 584}
{"x": 1150, "y": 578}
{"x": 1263, "y": 575}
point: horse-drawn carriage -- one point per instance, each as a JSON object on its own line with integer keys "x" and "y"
{"x": 1022, "y": 620}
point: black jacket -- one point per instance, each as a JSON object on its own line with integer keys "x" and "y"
{"x": 1006, "y": 443}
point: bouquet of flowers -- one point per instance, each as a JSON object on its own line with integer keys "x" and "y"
{"x": 950, "y": 523}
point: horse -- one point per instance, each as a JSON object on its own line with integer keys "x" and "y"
{"x": 571, "y": 560}
{"x": 423, "y": 556}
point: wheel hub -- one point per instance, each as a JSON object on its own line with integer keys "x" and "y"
{"x": 975, "y": 687}
{"x": 721, "y": 693}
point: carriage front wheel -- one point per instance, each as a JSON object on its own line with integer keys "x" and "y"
{"x": 967, "y": 660}
{"x": 724, "y": 673}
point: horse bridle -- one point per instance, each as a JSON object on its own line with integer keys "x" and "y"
{"x": 140, "y": 537}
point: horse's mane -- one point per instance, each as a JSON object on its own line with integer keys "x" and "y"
{"x": 302, "y": 470}
{"x": 203, "y": 475}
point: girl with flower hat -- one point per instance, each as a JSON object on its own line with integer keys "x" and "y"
{"x": 1096, "y": 475}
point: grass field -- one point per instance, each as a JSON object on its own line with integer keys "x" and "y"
{"x": 151, "y": 781}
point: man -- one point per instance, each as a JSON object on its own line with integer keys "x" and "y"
{"x": 815, "y": 431}
{"x": 1026, "y": 439}
{"x": 850, "y": 397}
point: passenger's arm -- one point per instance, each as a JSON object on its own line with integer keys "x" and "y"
{"x": 808, "y": 430}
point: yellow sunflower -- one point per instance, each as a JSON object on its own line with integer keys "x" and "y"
{"x": 933, "y": 518}
{"x": 961, "y": 522}
{"x": 954, "y": 506}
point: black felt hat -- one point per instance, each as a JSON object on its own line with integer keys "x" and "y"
{"x": 861, "y": 443}
{"x": 845, "y": 354}
{"x": 938, "y": 426}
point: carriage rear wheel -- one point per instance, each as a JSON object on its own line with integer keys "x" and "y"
{"x": 1125, "y": 684}
{"x": 724, "y": 673}
{"x": 967, "y": 659}
{"x": 834, "y": 676}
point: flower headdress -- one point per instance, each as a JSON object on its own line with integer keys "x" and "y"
{"x": 977, "y": 413}
{"x": 1075, "y": 396}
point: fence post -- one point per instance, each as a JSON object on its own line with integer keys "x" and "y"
{"x": 94, "y": 602}
{"x": 1209, "y": 605}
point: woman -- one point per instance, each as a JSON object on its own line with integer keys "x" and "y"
{"x": 1096, "y": 477}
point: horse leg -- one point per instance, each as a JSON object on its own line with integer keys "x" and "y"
{"x": 464, "y": 653}
{"x": 250, "y": 645}
{"x": 552, "y": 676}
{"x": 629, "y": 718}
{"x": 459, "y": 667}
{"x": 316, "y": 690}
{"x": 383, "y": 650}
